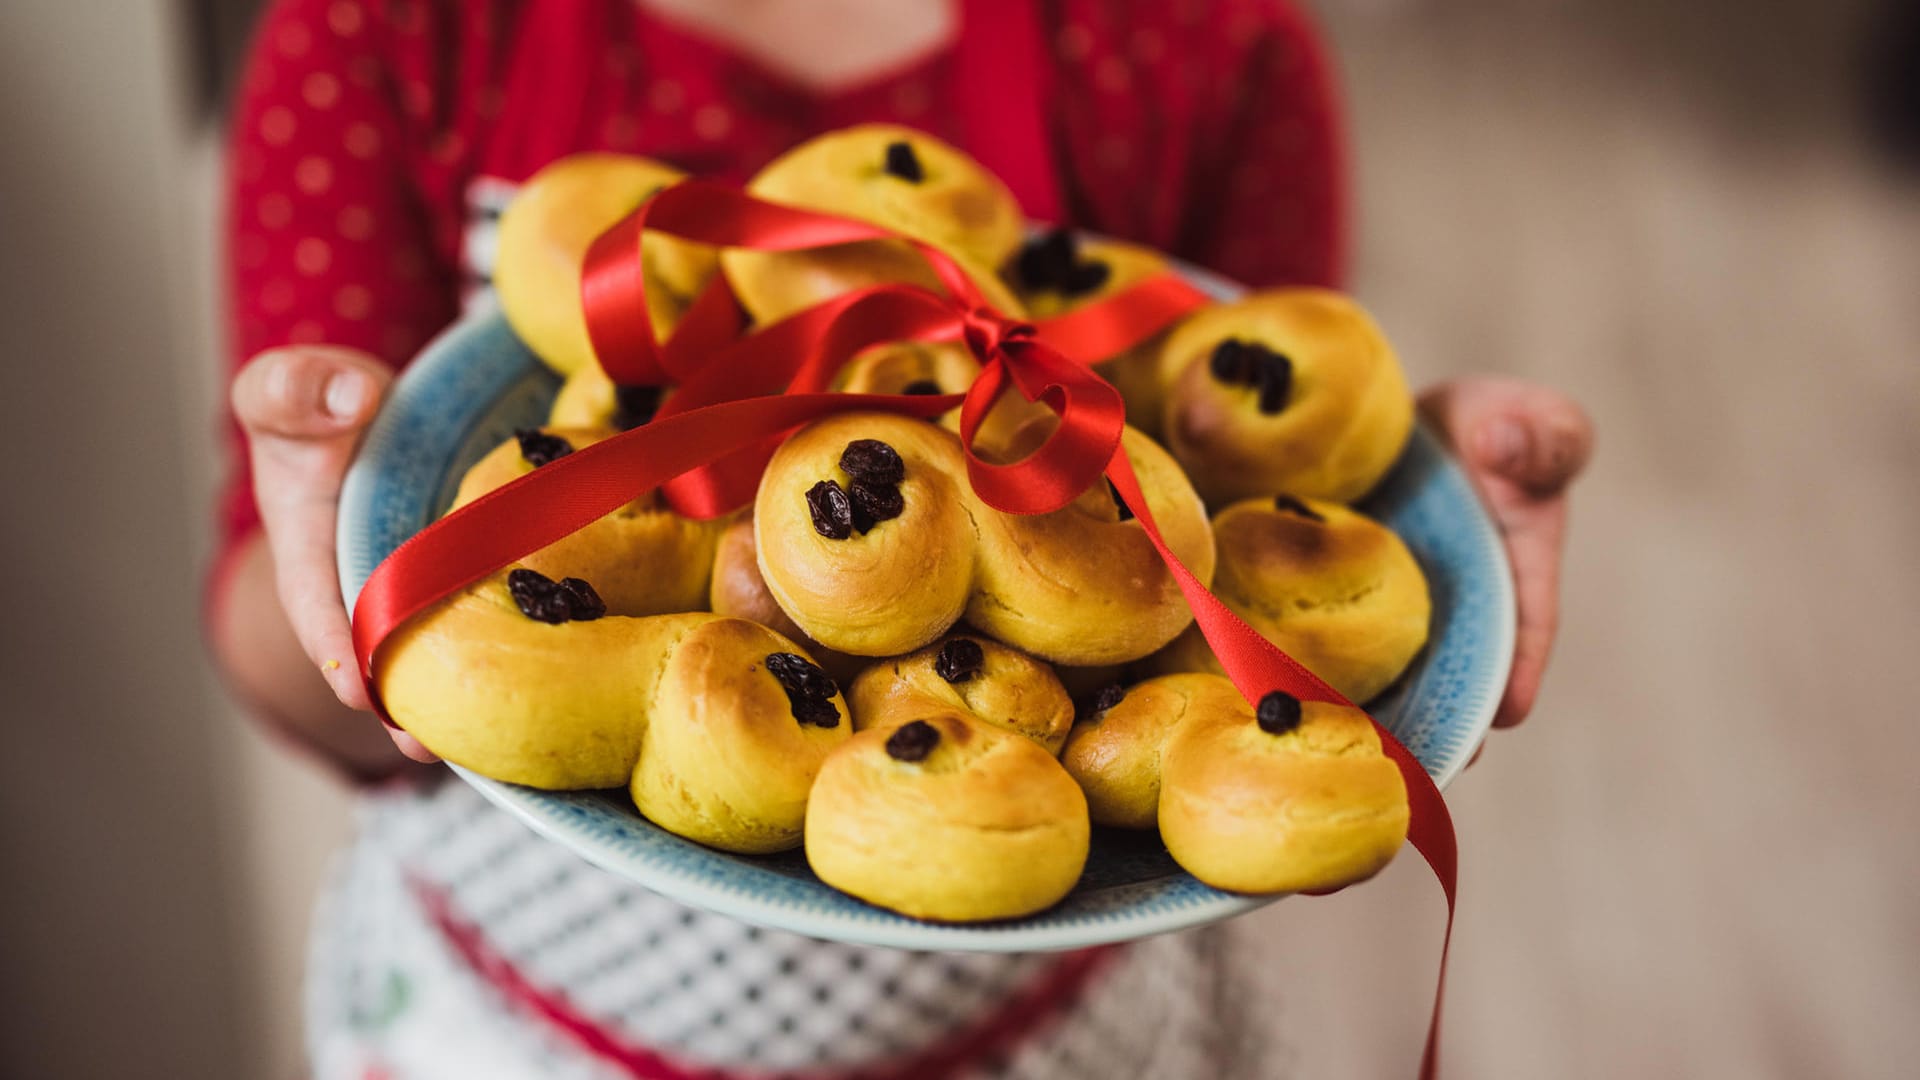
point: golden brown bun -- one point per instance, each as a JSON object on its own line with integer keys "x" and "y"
{"x": 948, "y": 368}
{"x": 1114, "y": 753}
{"x": 739, "y": 591}
{"x": 1077, "y": 586}
{"x": 986, "y": 825}
{"x": 1340, "y": 426}
{"x": 1082, "y": 586}
{"x": 956, "y": 205}
{"x": 1314, "y": 808}
{"x": 1036, "y": 273}
{"x": 996, "y": 685}
{"x": 1341, "y": 594}
{"x": 643, "y": 558}
{"x": 724, "y": 760}
{"x": 543, "y": 239}
{"x": 683, "y": 707}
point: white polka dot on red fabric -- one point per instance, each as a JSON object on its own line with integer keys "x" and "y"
{"x": 1112, "y": 75}
{"x": 1075, "y": 42}
{"x": 345, "y": 18}
{"x": 314, "y": 175}
{"x": 490, "y": 102}
{"x": 275, "y": 211}
{"x": 312, "y": 256}
{"x": 362, "y": 141}
{"x": 277, "y": 125}
{"x": 276, "y": 297}
{"x": 1148, "y": 45}
{"x": 712, "y": 122}
{"x": 320, "y": 90}
{"x": 410, "y": 16}
{"x": 293, "y": 38}
{"x": 353, "y": 302}
{"x": 355, "y": 223}
{"x": 666, "y": 96}
{"x": 307, "y": 332}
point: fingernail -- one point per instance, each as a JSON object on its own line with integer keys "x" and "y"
{"x": 347, "y": 395}
{"x": 1502, "y": 444}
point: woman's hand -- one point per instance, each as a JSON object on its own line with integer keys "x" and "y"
{"x": 304, "y": 409}
{"x": 1522, "y": 445}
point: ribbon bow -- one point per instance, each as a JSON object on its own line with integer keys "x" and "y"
{"x": 739, "y": 396}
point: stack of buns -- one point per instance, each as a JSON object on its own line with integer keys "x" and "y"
{"x": 936, "y": 699}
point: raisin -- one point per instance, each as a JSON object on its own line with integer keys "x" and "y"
{"x": 1045, "y": 262}
{"x": 1291, "y": 505}
{"x": 1120, "y": 504}
{"x": 873, "y": 461}
{"x": 1275, "y": 381}
{"x": 1278, "y": 713}
{"x": 832, "y": 511}
{"x": 903, "y": 163}
{"x": 959, "y": 660}
{"x": 538, "y": 447}
{"x": 809, "y": 689}
{"x": 1251, "y": 364}
{"x": 1103, "y": 699}
{"x": 1083, "y": 278}
{"x": 634, "y": 406}
{"x": 922, "y": 388}
{"x": 912, "y": 741}
{"x": 1230, "y": 363}
{"x": 543, "y": 599}
{"x": 874, "y": 503}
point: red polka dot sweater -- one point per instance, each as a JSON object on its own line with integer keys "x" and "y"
{"x": 371, "y": 134}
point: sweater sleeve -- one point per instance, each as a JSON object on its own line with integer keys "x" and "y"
{"x": 1275, "y": 211}
{"x": 326, "y": 237}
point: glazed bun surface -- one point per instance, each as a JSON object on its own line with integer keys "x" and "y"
{"x": 1114, "y": 752}
{"x": 966, "y": 673}
{"x": 1331, "y": 587}
{"x": 1292, "y": 390}
{"x": 1077, "y": 586}
{"x": 929, "y": 191}
{"x": 961, "y": 824}
{"x": 544, "y": 236}
{"x": 1314, "y": 806}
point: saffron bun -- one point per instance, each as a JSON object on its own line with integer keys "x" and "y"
{"x": 895, "y": 177}
{"x": 1293, "y": 390}
{"x": 970, "y": 674}
{"x": 1333, "y": 588}
{"x": 589, "y": 399}
{"x": 1058, "y": 273}
{"x": 1113, "y": 752}
{"x": 936, "y": 367}
{"x": 543, "y": 239}
{"x": 945, "y": 818}
{"x": 1077, "y": 586}
{"x": 738, "y": 590}
{"x": 643, "y": 559}
{"x": 1255, "y": 802}
{"x": 681, "y": 708}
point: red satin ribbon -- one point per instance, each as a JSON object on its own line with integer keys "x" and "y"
{"x": 736, "y": 400}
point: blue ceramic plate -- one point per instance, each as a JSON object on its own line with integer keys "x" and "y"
{"x": 477, "y": 382}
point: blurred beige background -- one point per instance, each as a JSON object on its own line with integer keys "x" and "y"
{"x": 1694, "y": 862}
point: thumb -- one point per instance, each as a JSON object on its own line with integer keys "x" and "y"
{"x": 1535, "y": 437}
{"x": 308, "y": 392}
